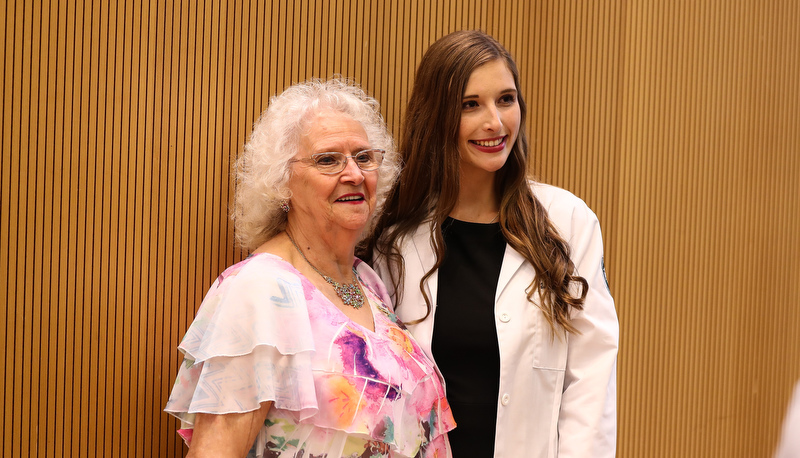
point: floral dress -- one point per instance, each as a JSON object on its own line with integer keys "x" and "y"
{"x": 265, "y": 333}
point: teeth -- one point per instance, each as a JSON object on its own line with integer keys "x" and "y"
{"x": 490, "y": 142}
{"x": 350, "y": 198}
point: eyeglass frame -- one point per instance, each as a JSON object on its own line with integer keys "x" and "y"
{"x": 313, "y": 161}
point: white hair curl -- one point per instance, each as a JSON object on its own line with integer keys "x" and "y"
{"x": 262, "y": 171}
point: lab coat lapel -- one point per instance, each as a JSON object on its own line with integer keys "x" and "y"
{"x": 426, "y": 258}
{"x": 512, "y": 261}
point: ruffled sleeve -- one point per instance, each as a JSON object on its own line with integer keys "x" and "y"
{"x": 251, "y": 342}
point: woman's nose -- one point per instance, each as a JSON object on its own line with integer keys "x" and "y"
{"x": 352, "y": 172}
{"x": 492, "y": 121}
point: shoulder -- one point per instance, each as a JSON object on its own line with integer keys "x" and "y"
{"x": 366, "y": 273}
{"x": 254, "y": 276}
{"x": 373, "y": 281}
{"x": 254, "y": 267}
{"x": 259, "y": 283}
{"x": 566, "y": 210}
{"x": 557, "y": 199}
{"x": 406, "y": 244}
{"x": 420, "y": 236}
{"x": 260, "y": 299}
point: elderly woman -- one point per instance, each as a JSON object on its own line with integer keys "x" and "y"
{"x": 296, "y": 350}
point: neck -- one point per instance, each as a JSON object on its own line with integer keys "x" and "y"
{"x": 477, "y": 199}
{"x": 331, "y": 252}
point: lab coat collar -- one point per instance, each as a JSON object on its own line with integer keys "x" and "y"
{"x": 512, "y": 261}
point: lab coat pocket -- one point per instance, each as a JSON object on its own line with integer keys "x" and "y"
{"x": 549, "y": 351}
{"x": 547, "y": 379}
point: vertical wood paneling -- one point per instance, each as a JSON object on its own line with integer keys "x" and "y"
{"x": 708, "y": 180}
{"x": 6, "y": 282}
{"x": 675, "y": 121}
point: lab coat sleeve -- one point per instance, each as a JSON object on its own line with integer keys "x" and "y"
{"x": 587, "y": 419}
{"x": 789, "y": 445}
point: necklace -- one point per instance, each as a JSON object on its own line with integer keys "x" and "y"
{"x": 349, "y": 293}
{"x": 495, "y": 218}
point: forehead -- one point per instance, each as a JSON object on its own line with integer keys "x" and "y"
{"x": 494, "y": 74}
{"x": 331, "y": 130}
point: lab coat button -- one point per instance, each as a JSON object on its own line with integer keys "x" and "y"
{"x": 505, "y": 399}
{"x": 505, "y": 317}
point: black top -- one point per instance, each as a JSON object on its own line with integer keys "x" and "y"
{"x": 464, "y": 342}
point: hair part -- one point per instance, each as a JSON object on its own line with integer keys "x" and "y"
{"x": 429, "y": 183}
{"x": 262, "y": 171}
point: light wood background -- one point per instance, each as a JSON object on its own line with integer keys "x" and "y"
{"x": 677, "y": 121}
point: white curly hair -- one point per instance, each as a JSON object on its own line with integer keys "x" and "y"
{"x": 262, "y": 171}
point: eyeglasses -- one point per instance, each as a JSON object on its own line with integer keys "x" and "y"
{"x": 333, "y": 162}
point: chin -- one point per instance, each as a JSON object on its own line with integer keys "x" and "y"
{"x": 494, "y": 167}
{"x": 355, "y": 224}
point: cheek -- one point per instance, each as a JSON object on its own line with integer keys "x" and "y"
{"x": 514, "y": 119}
{"x": 307, "y": 191}
{"x": 463, "y": 130}
{"x": 517, "y": 118}
{"x": 372, "y": 185}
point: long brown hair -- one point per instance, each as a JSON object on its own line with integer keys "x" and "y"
{"x": 427, "y": 190}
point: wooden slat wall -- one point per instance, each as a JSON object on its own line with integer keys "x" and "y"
{"x": 675, "y": 121}
{"x": 708, "y": 253}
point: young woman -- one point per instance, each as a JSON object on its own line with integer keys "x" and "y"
{"x": 500, "y": 278}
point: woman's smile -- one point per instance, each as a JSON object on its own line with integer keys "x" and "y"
{"x": 351, "y": 198}
{"x": 490, "y": 146}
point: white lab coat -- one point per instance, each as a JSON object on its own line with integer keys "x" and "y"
{"x": 557, "y": 394}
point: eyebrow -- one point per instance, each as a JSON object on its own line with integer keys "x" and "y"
{"x": 503, "y": 92}
{"x": 338, "y": 150}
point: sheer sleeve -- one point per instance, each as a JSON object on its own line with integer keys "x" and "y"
{"x": 250, "y": 342}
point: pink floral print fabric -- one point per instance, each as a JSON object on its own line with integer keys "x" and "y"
{"x": 265, "y": 333}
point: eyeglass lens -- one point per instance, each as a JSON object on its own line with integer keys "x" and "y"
{"x": 335, "y": 162}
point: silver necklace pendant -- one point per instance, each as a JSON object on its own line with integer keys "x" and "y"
{"x": 349, "y": 293}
